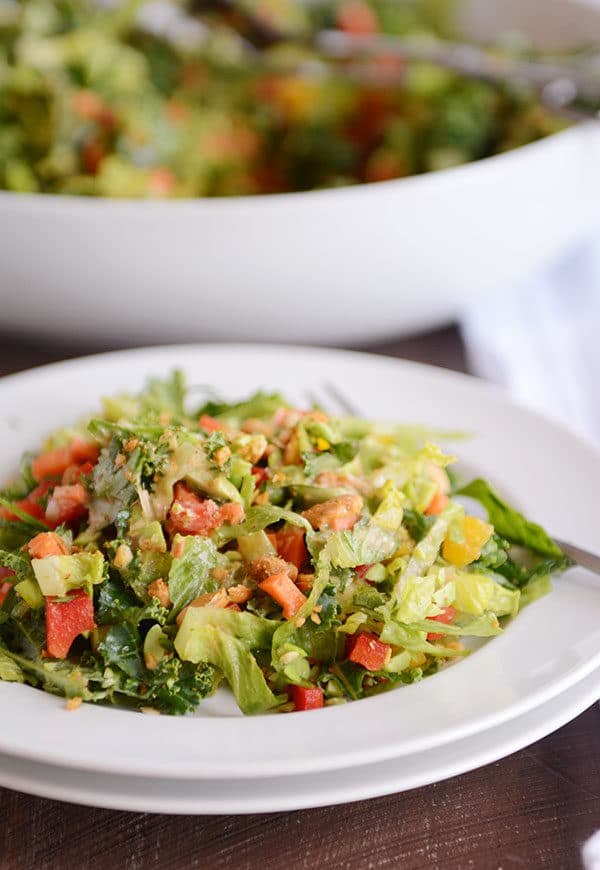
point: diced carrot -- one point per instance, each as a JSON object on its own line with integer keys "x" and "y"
{"x": 367, "y": 650}
{"x": 437, "y": 503}
{"x": 289, "y": 543}
{"x": 285, "y": 592}
{"x": 47, "y": 544}
{"x": 210, "y": 424}
{"x": 66, "y": 620}
{"x": 306, "y": 698}
{"x": 67, "y": 504}
{"x": 343, "y": 524}
{"x": 446, "y": 617}
{"x": 161, "y": 181}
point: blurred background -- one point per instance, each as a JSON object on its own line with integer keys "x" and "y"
{"x": 412, "y": 177}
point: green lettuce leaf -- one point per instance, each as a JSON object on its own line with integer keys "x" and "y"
{"x": 190, "y": 575}
{"x": 477, "y": 593}
{"x": 245, "y": 678}
{"x": 254, "y": 632}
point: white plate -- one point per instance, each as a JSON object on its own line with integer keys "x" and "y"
{"x": 550, "y": 647}
{"x": 267, "y": 795}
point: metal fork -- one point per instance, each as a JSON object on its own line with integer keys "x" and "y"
{"x": 584, "y": 558}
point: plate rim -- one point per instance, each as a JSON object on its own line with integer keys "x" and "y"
{"x": 570, "y": 678}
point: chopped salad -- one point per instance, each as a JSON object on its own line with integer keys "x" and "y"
{"x": 152, "y": 552}
{"x": 185, "y": 99}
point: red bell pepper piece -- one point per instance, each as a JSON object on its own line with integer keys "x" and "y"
{"x": 33, "y": 504}
{"x": 66, "y": 620}
{"x": 67, "y": 504}
{"x": 306, "y": 699}
{"x": 446, "y": 617}
{"x": 5, "y": 586}
{"x": 55, "y": 462}
{"x": 367, "y": 650}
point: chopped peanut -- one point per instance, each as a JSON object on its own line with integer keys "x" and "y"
{"x": 338, "y": 513}
{"x": 211, "y": 599}
{"x": 233, "y": 512}
{"x": 123, "y": 556}
{"x": 219, "y": 574}
{"x": 266, "y": 566}
{"x": 291, "y": 454}
{"x": 239, "y": 594}
{"x": 74, "y": 703}
{"x": 221, "y": 456}
{"x": 160, "y": 589}
{"x": 261, "y": 498}
{"x": 130, "y": 444}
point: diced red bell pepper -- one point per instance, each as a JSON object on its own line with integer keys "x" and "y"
{"x": 357, "y": 17}
{"x": 4, "y": 590}
{"x": 33, "y": 504}
{"x": 446, "y": 617}
{"x": 67, "y": 504}
{"x": 66, "y": 620}
{"x": 306, "y": 699}
{"x": 54, "y": 463}
{"x": 5, "y": 586}
{"x": 290, "y": 545}
{"x": 260, "y": 474}
{"x": 367, "y": 650}
{"x": 191, "y": 515}
{"x": 74, "y": 473}
{"x": 362, "y": 570}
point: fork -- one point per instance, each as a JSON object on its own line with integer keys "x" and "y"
{"x": 581, "y": 557}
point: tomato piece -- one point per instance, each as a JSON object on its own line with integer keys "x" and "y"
{"x": 289, "y": 543}
{"x": 367, "y": 650}
{"x": 306, "y": 698}
{"x": 191, "y": 515}
{"x": 285, "y": 592}
{"x": 446, "y": 617}
{"x": 66, "y": 620}
{"x": 67, "y": 504}
{"x": 47, "y": 544}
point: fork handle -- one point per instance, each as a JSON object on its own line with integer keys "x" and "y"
{"x": 582, "y": 557}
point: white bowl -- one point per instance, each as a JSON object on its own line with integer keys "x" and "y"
{"x": 337, "y": 266}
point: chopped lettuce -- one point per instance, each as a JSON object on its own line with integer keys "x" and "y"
{"x": 190, "y": 574}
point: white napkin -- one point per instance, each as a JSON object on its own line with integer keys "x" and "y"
{"x": 541, "y": 340}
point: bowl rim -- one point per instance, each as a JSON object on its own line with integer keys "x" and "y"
{"x": 53, "y": 201}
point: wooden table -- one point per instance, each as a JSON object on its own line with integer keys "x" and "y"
{"x": 531, "y": 810}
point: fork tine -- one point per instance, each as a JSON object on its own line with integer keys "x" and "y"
{"x": 341, "y": 400}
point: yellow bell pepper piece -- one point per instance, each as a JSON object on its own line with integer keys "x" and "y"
{"x": 475, "y": 534}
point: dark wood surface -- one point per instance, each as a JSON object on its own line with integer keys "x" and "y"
{"x": 533, "y": 809}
